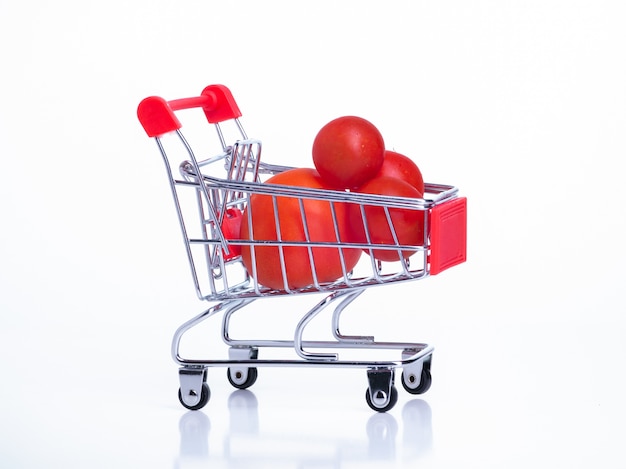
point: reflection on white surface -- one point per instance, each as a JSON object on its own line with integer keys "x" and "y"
{"x": 246, "y": 444}
{"x": 194, "y": 436}
{"x": 417, "y": 437}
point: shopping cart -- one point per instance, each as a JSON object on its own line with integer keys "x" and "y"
{"x": 212, "y": 196}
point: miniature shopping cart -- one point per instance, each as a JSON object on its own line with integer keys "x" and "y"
{"x": 212, "y": 193}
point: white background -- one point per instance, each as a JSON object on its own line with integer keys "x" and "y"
{"x": 520, "y": 104}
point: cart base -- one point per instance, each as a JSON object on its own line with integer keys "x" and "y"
{"x": 242, "y": 372}
{"x": 243, "y": 356}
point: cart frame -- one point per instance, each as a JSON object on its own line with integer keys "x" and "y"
{"x": 213, "y": 255}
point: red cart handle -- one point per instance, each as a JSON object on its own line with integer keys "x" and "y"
{"x": 157, "y": 115}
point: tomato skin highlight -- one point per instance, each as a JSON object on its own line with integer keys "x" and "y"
{"x": 320, "y": 225}
{"x": 402, "y": 167}
{"x": 408, "y": 224}
{"x": 348, "y": 151}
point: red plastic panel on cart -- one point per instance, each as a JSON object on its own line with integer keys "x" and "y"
{"x": 448, "y": 235}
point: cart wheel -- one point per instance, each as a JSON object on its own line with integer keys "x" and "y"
{"x": 393, "y": 398}
{"x": 205, "y": 395}
{"x": 238, "y": 380}
{"x": 411, "y": 384}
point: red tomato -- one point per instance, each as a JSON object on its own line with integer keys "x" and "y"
{"x": 327, "y": 260}
{"x": 407, "y": 224}
{"x": 402, "y": 167}
{"x": 348, "y": 152}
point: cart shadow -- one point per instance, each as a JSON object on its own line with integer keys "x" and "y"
{"x": 381, "y": 440}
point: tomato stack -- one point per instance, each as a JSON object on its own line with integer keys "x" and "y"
{"x": 349, "y": 155}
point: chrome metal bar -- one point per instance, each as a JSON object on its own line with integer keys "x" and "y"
{"x": 196, "y": 168}
{"x": 226, "y": 321}
{"x": 306, "y": 319}
{"x": 180, "y": 332}
{"x": 324, "y": 361}
{"x": 181, "y": 221}
{"x": 325, "y": 344}
{"x": 351, "y": 339}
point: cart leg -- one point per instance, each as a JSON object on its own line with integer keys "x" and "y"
{"x": 194, "y": 392}
{"x": 416, "y": 376}
{"x": 381, "y": 394}
{"x": 357, "y": 339}
{"x": 242, "y": 376}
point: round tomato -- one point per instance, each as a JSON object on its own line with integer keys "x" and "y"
{"x": 319, "y": 221}
{"x": 408, "y": 224}
{"x": 402, "y": 167}
{"x": 348, "y": 151}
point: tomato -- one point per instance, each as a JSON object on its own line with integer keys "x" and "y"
{"x": 318, "y": 214}
{"x": 348, "y": 151}
{"x": 408, "y": 224}
{"x": 402, "y": 167}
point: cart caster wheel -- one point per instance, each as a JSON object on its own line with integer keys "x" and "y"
{"x": 380, "y": 396}
{"x": 417, "y": 385}
{"x": 205, "y": 395}
{"x": 242, "y": 379}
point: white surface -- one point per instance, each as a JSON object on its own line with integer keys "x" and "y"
{"x": 521, "y": 104}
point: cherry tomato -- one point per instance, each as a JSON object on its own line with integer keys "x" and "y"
{"x": 408, "y": 224}
{"x": 348, "y": 151}
{"x": 318, "y": 214}
{"x": 402, "y": 167}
